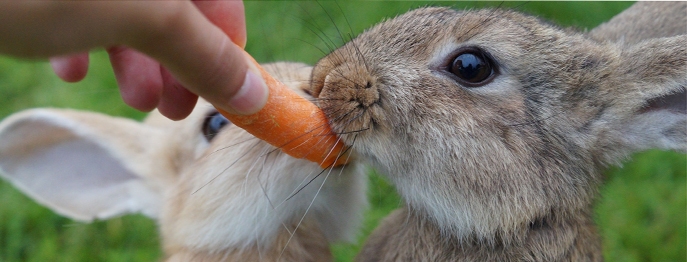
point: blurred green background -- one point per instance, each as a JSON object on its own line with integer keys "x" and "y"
{"x": 641, "y": 214}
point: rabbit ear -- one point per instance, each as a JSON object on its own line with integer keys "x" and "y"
{"x": 82, "y": 165}
{"x": 650, "y": 98}
{"x": 644, "y": 20}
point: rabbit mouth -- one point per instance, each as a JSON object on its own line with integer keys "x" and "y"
{"x": 350, "y": 99}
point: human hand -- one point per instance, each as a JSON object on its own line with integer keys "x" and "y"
{"x": 199, "y": 43}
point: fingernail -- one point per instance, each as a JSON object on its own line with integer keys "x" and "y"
{"x": 252, "y": 95}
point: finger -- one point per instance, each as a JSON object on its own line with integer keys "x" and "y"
{"x": 67, "y": 27}
{"x": 176, "y": 102}
{"x": 138, "y": 77}
{"x": 205, "y": 61}
{"x": 229, "y": 16}
{"x": 72, "y": 68}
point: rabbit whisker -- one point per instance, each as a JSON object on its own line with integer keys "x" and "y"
{"x": 327, "y": 41}
{"x": 343, "y": 152}
{"x": 308, "y": 209}
{"x": 314, "y": 197}
{"x": 262, "y": 186}
{"x": 224, "y": 170}
{"x": 353, "y": 131}
{"x": 298, "y": 190}
{"x": 232, "y": 145}
{"x": 350, "y": 35}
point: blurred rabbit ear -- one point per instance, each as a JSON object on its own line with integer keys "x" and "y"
{"x": 644, "y": 20}
{"x": 84, "y": 165}
{"x": 650, "y": 96}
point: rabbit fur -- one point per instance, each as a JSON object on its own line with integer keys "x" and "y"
{"x": 503, "y": 172}
{"x": 230, "y": 199}
{"x": 509, "y": 170}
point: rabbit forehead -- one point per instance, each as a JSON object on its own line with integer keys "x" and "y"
{"x": 420, "y": 33}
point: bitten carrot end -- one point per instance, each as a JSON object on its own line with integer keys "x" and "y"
{"x": 292, "y": 123}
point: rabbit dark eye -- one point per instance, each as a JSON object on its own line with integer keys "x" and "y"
{"x": 472, "y": 68}
{"x": 213, "y": 124}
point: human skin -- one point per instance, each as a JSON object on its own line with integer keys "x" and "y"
{"x": 164, "y": 53}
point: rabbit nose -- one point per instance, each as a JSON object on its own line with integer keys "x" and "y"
{"x": 351, "y": 83}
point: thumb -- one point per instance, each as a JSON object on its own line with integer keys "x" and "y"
{"x": 204, "y": 60}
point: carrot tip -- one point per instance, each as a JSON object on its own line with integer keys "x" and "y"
{"x": 292, "y": 123}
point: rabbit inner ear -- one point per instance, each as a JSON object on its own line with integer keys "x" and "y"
{"x": 676, "y": 103}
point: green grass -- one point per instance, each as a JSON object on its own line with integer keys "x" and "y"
{"x": 641, "y": 213}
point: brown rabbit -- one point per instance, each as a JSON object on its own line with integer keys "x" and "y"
{"x": 494, "y": 126}
{"x": 218, "y": 193}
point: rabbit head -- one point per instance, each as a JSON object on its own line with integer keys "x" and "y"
{"x": 491, "y": 121}
{"x": 213, "y": 188}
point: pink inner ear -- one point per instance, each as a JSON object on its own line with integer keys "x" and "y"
{"x": 676, "y": 103}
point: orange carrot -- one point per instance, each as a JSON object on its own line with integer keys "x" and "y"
{"x": 295, "y": 125}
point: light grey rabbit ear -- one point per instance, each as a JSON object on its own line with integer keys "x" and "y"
{"x": 82, "y": 165}
{"x": 649, "y": 106}
{"x": 644, "y": 20}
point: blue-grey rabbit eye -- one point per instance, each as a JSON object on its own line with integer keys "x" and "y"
{"x": 213, "y": 124}
{"x": 472, "y": 68}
